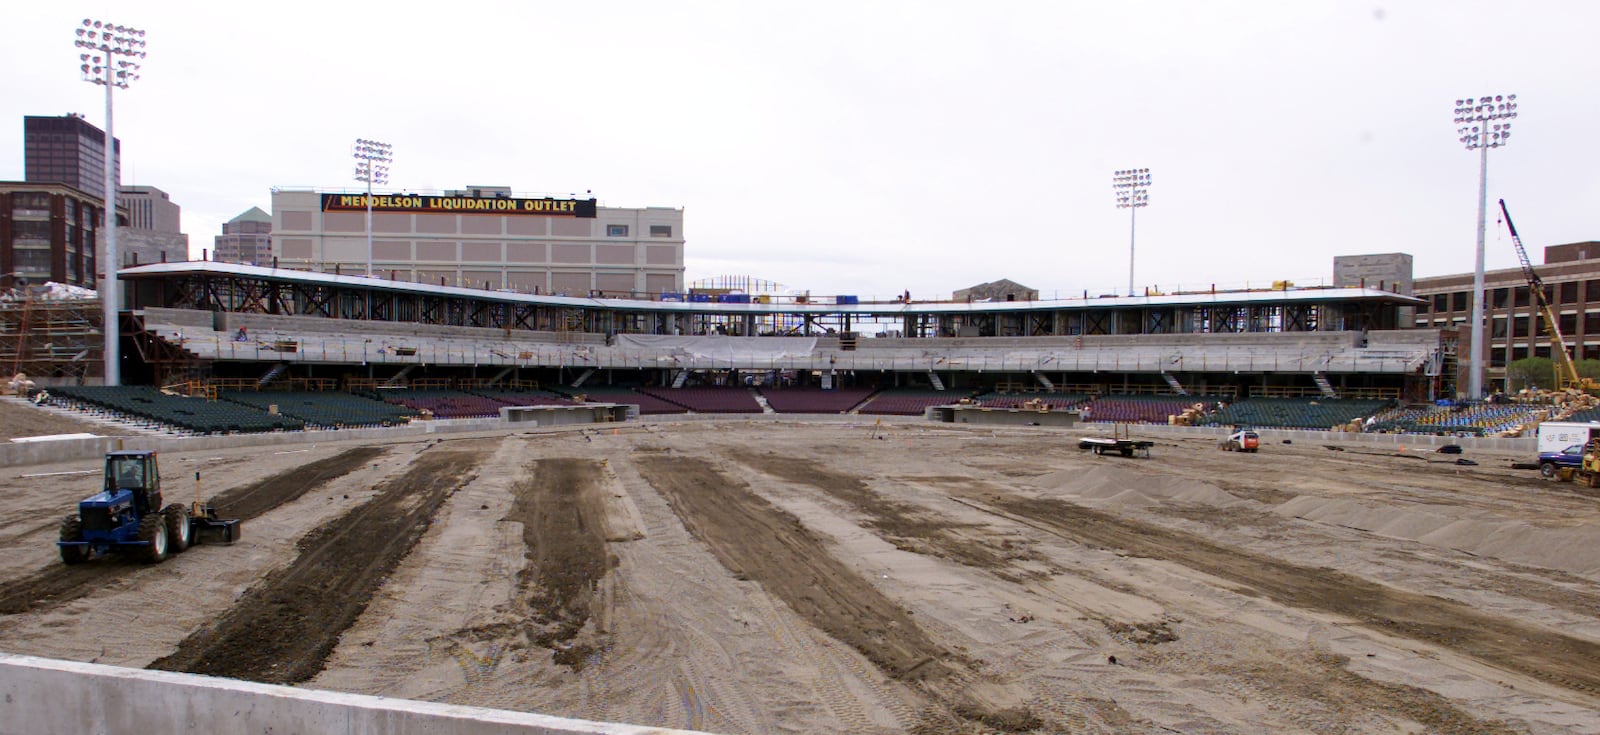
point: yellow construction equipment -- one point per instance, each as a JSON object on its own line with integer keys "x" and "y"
{"x": 1566, "y": 370}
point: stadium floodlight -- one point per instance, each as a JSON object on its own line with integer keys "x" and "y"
{"x": 111, "y": 59}
{"x": 372, "y": 166}
{"x": 1480, "y": 129}
{"x": 1132, "y": 187}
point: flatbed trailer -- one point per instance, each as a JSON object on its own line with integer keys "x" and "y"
{"x": 1124, "y": 447}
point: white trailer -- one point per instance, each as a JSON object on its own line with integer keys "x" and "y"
{"x": 1555, "y": 436}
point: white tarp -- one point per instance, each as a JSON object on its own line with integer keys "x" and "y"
{"x": 716, "y": 347}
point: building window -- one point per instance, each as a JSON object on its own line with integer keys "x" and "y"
{"x": 1569, "y": 292}
{"x": 616, "y": 230}
{"x": 1519, "y": 326}
{"x": 29, "y": 260}
{"x": 661, "y": 230}
{"x": 1520, "y": 296}
{"x": 1441, "y": 302}
{"x": 1569, "y": 324}
{"x": 1591, "y": 291}
{"x": 30, "y": 230}
{"x": 1497, "y": 298}
{"x": 1458, "y": 301}
{"x": 1591, "y": 323}
{"x": 1422, "y": 308}
{"x": 1497, "y": 328}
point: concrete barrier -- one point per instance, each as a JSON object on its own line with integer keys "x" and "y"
{"x": 1525, "y": 444}
{"x": 13, "y": 454}
{"x": 49, "y": 697}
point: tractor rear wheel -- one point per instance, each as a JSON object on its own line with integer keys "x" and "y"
{"x": 153, "y": 531}
{"x": 72, "y": 530}
{"x": 178, "y": 528}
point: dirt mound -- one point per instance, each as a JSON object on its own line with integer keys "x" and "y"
{"x": 283, "y": 628}
{"x": 55, "y": 585}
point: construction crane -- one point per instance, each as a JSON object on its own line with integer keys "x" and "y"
{"x": 1566, "y": 370}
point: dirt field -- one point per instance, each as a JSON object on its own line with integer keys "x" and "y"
{"x": 743, "y": 577}
{"x": 17, "y": 419}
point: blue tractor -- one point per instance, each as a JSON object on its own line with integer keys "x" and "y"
{"x": 128, "y": 516}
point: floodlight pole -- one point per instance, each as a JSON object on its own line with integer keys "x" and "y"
{"x": 1475, "y": 117}
{"x": 1132, "y": 188}
{"x": 371, "y": 157}
{"x": 110, "y": 41}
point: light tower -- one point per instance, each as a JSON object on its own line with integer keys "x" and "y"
{"x": 111, "y": 60}
{"x": 372, "y": 166}
{"x": 1480, "y": 130}
{"x": 1132, "y": 188}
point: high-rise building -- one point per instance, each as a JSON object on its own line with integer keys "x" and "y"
{"x": 246, "y": 239}
{"x": 68, "y": 150}
{"x": 152, "y": 233}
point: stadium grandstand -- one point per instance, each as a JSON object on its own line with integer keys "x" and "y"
{"x": 281, "y": 343}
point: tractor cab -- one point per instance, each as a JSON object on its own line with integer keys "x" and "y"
{"x": 136, "y": 472}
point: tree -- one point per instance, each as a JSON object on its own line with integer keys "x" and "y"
{"x": 1531, "y": 371}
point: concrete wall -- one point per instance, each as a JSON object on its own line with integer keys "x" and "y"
{"x": 1524, "y": 444}
{"x": 14, "y": 454}
{"x": 1001, "y": 416}
{"x": 48, "y": 697}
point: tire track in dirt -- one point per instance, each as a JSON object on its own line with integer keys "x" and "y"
{"x": 758, "y": 541}
{"x": 563, "y": 514}
{"x": 57, "y": 584}
{"x": 908, "y": 527}
{"x": 1542, "y": 654}
{"x": 283, "y": 628}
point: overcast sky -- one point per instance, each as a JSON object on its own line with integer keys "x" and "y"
{"x": 875, "y": 147}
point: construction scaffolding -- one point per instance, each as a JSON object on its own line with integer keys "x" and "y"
{"x": 46, "y": 337}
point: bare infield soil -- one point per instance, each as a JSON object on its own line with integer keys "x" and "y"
{"x": 57, "y": 584}
{"x": 563, "y": 531}
{"x": 749, "y": 577}
{"x": 1428, "y": 618}
{"x": 1540, "y": 653}
{"x": 757, "y": 541}
{"x": 24, "y": 420}
{"x": 283, "y": 628}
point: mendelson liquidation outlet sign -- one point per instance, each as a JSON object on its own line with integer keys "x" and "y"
{"x": 429, "y": 204}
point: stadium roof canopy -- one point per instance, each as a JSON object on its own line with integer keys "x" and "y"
{"x": 813, "y": 305}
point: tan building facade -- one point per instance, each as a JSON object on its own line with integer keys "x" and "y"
{"x": 484, "y": 237}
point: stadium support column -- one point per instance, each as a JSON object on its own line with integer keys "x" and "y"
{"x": 1132, "y": 188}
{"x": 105, "y": 42}
{"x": 1479, "y": 131}
{"x": 372, "y": 166}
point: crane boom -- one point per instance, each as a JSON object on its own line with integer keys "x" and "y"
{"x": 1566, "y": 370}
